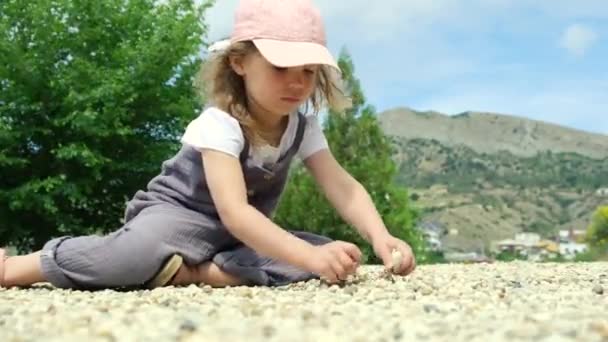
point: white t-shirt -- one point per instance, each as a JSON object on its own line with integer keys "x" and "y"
{"x": 218, "y": 130}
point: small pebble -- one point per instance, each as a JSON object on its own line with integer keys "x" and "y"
{"x": 188, "y": 325}
{"x": 397, "y": 258}
{"x": 429, "y": 308}
{"x": 598, "y": 289}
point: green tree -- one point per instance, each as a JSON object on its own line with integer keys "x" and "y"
{"x": 92, "y": 97}
{"x": 597, "y": 232}
{"x": 361, "y": 147}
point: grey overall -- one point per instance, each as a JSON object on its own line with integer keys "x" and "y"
{"x": 176, "y": 215}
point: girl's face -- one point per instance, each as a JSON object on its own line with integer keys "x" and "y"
{"x": 273, "y": 90}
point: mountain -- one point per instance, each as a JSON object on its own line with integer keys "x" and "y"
{"x": 484, "y": 177}
{"x": 491, "y": 133}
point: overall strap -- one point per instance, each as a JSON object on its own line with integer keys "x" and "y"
{"x": 297, "y": 141}
{"x": 244, "y": 153}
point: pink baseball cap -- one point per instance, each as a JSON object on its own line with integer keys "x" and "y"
{"x": 287, "y": 33}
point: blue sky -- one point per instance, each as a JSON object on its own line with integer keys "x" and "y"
{"x": 540, "y": 59}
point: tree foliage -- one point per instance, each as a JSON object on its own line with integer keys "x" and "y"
{"x": 597, "y": 232}
{"x": 92, "y": 97}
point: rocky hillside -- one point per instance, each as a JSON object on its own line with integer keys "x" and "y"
{"x": 485, "y": 177}
{"x": 491, "y": 133}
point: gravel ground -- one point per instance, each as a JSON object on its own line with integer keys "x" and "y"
{"x": 482, "y": 302}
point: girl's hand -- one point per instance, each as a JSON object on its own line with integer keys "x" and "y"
{"x": 335, "y": 261}
{"x": 383, "y": 247}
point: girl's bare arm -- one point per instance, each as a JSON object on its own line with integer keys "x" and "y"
{"x": 228, "y": 191}
{"x": 346, "y": 194}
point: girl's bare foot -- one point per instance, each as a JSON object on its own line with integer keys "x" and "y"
{"x": 2, "y": 259}
{"x": 21, "y": 270}
{"x": 207, "y": 273}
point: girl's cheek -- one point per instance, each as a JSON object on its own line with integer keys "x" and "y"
{"x": 273, "y": 79}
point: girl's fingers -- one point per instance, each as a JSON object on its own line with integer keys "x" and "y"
{"x": 338, "y": 269}
{"x": 353, "y": 251}
{"x": 347, "y": 262}
{"x": 408, "y": 262}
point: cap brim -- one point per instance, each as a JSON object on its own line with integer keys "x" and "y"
{"x": 287, "y": 54}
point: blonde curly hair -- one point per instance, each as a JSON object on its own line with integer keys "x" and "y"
{"x": 222, "y": 87}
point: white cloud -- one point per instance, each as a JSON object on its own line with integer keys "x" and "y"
{"x": 577, "y": 39}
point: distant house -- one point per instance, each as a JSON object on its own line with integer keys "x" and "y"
{"x": 528, "y": 239}
{"x": 529, "y": 245}
{"x": 572, "y": 235}
{"x": 548, "y": 246}
{"x": 570, "y": 249}
{"x": 571, "y": 242}
{"x": 432, "y": 232}
{"x": 522, "y": 242}
{"x": 602, "y": 192}
{"x": 433, "y": 239}
{"x": 568, "y": 244}
{"x": 527, "y": 242}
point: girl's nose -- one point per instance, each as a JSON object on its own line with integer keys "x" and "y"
{"x": 297, "y": 79}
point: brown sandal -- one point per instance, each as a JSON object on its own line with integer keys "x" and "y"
{"x": 166, "y": 274}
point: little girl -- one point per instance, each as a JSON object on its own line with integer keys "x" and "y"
{"x": 206, "y": 218}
